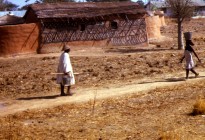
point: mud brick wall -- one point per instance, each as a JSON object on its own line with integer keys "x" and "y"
{"x": 127, "y": 33}
{"x": 153, "y": 26}
{"x": 19, "y": 39}
{"x": 163, "y": 23}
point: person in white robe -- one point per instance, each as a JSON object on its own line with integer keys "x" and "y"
{"x": 65, "y": 76}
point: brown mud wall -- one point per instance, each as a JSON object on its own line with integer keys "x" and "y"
{"x": 153, "y": 26}
{"x": 162, "y": 20}
{"x": 19, "y": 39}
{"x": 161, "y": 17}
{"x": 56, "y": 47}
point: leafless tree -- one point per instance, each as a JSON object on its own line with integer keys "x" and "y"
{"x": 7, "y": 6}
{"x": 181, "y": 9}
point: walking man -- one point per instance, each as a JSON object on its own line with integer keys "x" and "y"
{"x": 65, "y": 76}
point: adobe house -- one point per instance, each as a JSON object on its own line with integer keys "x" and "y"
{"x": 88, "y": 24}
{"x": 17, "y": 38}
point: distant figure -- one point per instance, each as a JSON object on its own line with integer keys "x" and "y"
{"x": 65, "y": 76}
{"x": 189, "y": 59}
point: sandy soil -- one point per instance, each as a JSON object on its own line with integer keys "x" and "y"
{"x": 120, "y": 93}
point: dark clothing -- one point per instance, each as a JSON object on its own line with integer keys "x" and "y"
{"x": 188, "y": 47}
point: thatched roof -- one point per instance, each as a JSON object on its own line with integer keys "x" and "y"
{"x": 85, "y": 10}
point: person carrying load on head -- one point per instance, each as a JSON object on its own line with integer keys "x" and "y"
{"x": 65, "y": 76}
{"x": 188, "y": 55}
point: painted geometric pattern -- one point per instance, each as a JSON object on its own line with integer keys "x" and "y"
{"x": 129, "y": 32}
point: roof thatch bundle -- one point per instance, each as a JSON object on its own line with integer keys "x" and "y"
{"x": 85, "y": 10}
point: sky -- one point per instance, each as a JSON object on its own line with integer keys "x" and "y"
{"x": 22, "y": 2}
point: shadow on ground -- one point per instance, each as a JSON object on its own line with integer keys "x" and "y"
{"x": 128, "y": 50}
{"x": 40, "y": 97}
{"x": 165, "y": 80}
{"x": 174, "y": 79}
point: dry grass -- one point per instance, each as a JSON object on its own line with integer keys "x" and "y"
{"x": 199, "y": 107}
{"x": 158, "y": 114}
{"x": 170, "y": 135}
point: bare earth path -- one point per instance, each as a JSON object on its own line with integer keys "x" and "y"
{"x": 84, "y": 95}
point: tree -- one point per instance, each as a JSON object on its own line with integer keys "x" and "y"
{"x": 7, "y": 6}
{"x": 141, "y": 3}
{"x": 181, "y": 9}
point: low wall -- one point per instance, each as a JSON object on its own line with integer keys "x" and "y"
{"x": 19, "y": 39}
{"x": 56, "y": 47}
{"x": 76, "y": 45}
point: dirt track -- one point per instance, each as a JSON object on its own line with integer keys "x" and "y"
{"x": 85, "y": 95}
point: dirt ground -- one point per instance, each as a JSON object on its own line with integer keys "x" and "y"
{"x": 158, "y": 105}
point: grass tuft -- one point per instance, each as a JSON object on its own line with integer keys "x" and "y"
{"x": 199, "y": 107}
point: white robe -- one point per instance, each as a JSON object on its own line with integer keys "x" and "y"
{"x": 65, "y": 66}
{"x": 189, "y": 59}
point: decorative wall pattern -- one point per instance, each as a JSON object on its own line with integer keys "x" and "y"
{"x": 129, "y": 32}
